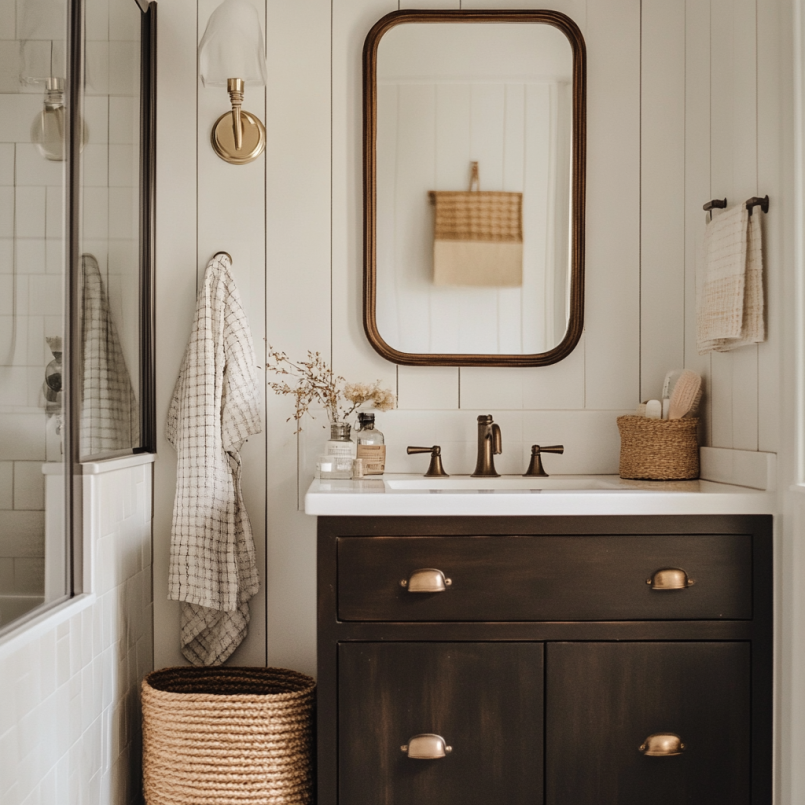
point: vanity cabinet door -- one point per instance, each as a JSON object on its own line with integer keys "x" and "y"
{"x": 603, "y": 700}
{"x": 484, "y": 699}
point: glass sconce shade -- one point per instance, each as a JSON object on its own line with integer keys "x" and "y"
{"x": 232, "y": 46}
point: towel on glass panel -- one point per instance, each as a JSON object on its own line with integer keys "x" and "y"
{"x": 730, "y": 305}
{"x": 110, "y": 416}
{"x": 478, "y": 237}
{"x": 212, "y": 413}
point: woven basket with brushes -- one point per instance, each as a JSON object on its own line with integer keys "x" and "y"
{"x": 659, "y": 450}
{"x": 239, "y": 735}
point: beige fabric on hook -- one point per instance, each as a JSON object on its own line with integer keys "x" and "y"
{"x": 730, "y": 303}
{"x": 212, "y": 413}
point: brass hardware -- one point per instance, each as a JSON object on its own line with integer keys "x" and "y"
{"x": 490, "y": 444}
{"x": 670, "y": 578}
{"x": 535, "y": 468}
{"x": 426, "y": 580}
{"x": 435, "y": 468}
{"x": 662, "y": 744}
{"x": 426, "y": 746}
{"x": 238, "y": 137}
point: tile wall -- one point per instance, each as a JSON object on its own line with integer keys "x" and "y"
{"x": 69, "y": 724}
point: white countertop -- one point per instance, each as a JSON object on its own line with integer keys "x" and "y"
{"x": 392, "y": 495}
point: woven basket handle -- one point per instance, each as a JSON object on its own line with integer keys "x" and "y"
{"x": 475, "y": 181}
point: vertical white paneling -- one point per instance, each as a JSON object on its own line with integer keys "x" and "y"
{"x": 697, "y": 182}
{"x": 745, "y": 368}
{"x": 612, "y": 280}
{"x": 774, "y": 141}
{"x": 298, "y": 204}
{"x": 662, "y": 244}
{"x": 352, "y": 354}
{"x": 415, "y": 169}
{"x": 239, "y": 230}
{"x": 722, "y": 184}
{"x": 734, "y": 168}
{"x": 175, "y": 278}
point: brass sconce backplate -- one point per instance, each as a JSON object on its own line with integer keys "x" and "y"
{"x": 223, "y": 138}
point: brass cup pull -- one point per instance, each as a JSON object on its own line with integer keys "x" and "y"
{"x": 426, "y": 746}
{"x": 426, "y": 580}
{"x": 662, "y": 744}
{"x": 670, "y": 578}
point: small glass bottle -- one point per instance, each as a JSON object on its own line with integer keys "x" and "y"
{"x": 342, "y": 450}
{"x": 48, "y": 127}
{"x": 371, "y": 445}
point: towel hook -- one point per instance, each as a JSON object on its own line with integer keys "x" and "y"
{"x": 716, "y": 203}
{"x": 218, "y": 254}
{"x": 757, "y": 201}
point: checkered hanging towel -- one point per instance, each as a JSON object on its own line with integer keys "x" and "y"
{"x": 212, "y": 413}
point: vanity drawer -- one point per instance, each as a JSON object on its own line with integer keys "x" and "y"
{"x": 545, "y": 578}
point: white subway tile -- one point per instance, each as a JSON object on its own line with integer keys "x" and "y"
{"x": 13, "y": 340}
{"x": 29, "y": 575}
{"x": 6, "y": 212}
{"x": 63, "y": 660}
{"x": 33, "y": 170}
{"x": 22, "y": 437}
{"x": 29, "y": 485}
{"x": 123, "y": 121}
{"x": 30, "y": 212}
{"x": 31, "y": 256}
{"x": 18, "y": 112}
{"x": 54, "y": 257}
{"x": 48, "y": 675}
{"x": 96, "y": 213}
{"x": 55, "y": 228}
{"x": 6, "y": 487}
{"x": 123, "y": 166}
{"x": 39, "y": 353}
{"x": 13, "y": 385}
{"x": 6, "y": 164}
{"x": 6, "y": 574}
{"x": 6, "y": 250}
{"x": 46, "y": 294}
{"x": 9, "y": 66}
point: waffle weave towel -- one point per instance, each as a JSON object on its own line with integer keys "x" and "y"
{"x": 730, "y": 294}
{"x": 212, "y": 413}
{"x": 110, "y": 416}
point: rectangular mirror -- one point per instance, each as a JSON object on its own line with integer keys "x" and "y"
{"x": 474, "y": 152}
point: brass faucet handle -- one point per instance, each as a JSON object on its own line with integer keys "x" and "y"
{"x": 535, "y": 468}
{"x": 435, "y": 468}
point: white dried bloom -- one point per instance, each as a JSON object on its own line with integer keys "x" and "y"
{"x": 383, "y": 399}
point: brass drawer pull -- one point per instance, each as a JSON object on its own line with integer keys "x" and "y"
{"x": 426, "y": 746}
{"x": 670, "y": 578}
{"x": 426, "y": 580}
{"x": 662, "y": 744}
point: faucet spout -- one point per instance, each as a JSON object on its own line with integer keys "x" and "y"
{"x": 490, "y": 444}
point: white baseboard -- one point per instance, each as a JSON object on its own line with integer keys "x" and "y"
{"x": 739, "y": 467}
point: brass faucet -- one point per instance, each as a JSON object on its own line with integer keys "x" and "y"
{"x": 489, "y": 445}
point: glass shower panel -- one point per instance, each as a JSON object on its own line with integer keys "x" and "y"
{"x": 109, "y": 235}
{"x": 33, "y": 554}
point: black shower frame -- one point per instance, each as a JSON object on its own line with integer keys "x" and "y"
{"x": 147, "y": 227}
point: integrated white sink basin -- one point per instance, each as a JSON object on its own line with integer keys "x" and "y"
{"x": 510, "y": 483}
{"x": 513, "y": 495}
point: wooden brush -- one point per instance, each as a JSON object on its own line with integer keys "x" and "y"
{"x": 686, "y": 396}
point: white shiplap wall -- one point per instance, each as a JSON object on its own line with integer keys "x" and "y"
{"x": 657, "y": 150}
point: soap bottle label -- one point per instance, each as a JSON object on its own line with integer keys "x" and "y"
{"x": 374, "y": 458}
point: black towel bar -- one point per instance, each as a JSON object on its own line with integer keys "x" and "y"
{"x": 716, "y": 203}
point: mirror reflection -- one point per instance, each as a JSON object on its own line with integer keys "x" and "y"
{"x": 473, "y": 190}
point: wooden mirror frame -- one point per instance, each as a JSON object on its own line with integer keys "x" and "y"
{"x": 578, "y": 162}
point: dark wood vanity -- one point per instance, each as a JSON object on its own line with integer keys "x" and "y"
{"x": 551, "y": 664}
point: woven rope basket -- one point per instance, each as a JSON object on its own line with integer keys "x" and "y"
{"x": 659, "y": 450}
{"x": 489, "y": 216}
{"x": 227, "y": 736}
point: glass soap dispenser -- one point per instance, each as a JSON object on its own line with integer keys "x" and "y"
{"x": 371, "y": 445}
{"x": 48, "y": 127}
{"x": 339, "y": 453}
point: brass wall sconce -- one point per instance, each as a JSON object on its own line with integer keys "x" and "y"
{"x": 232, "y": 54}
